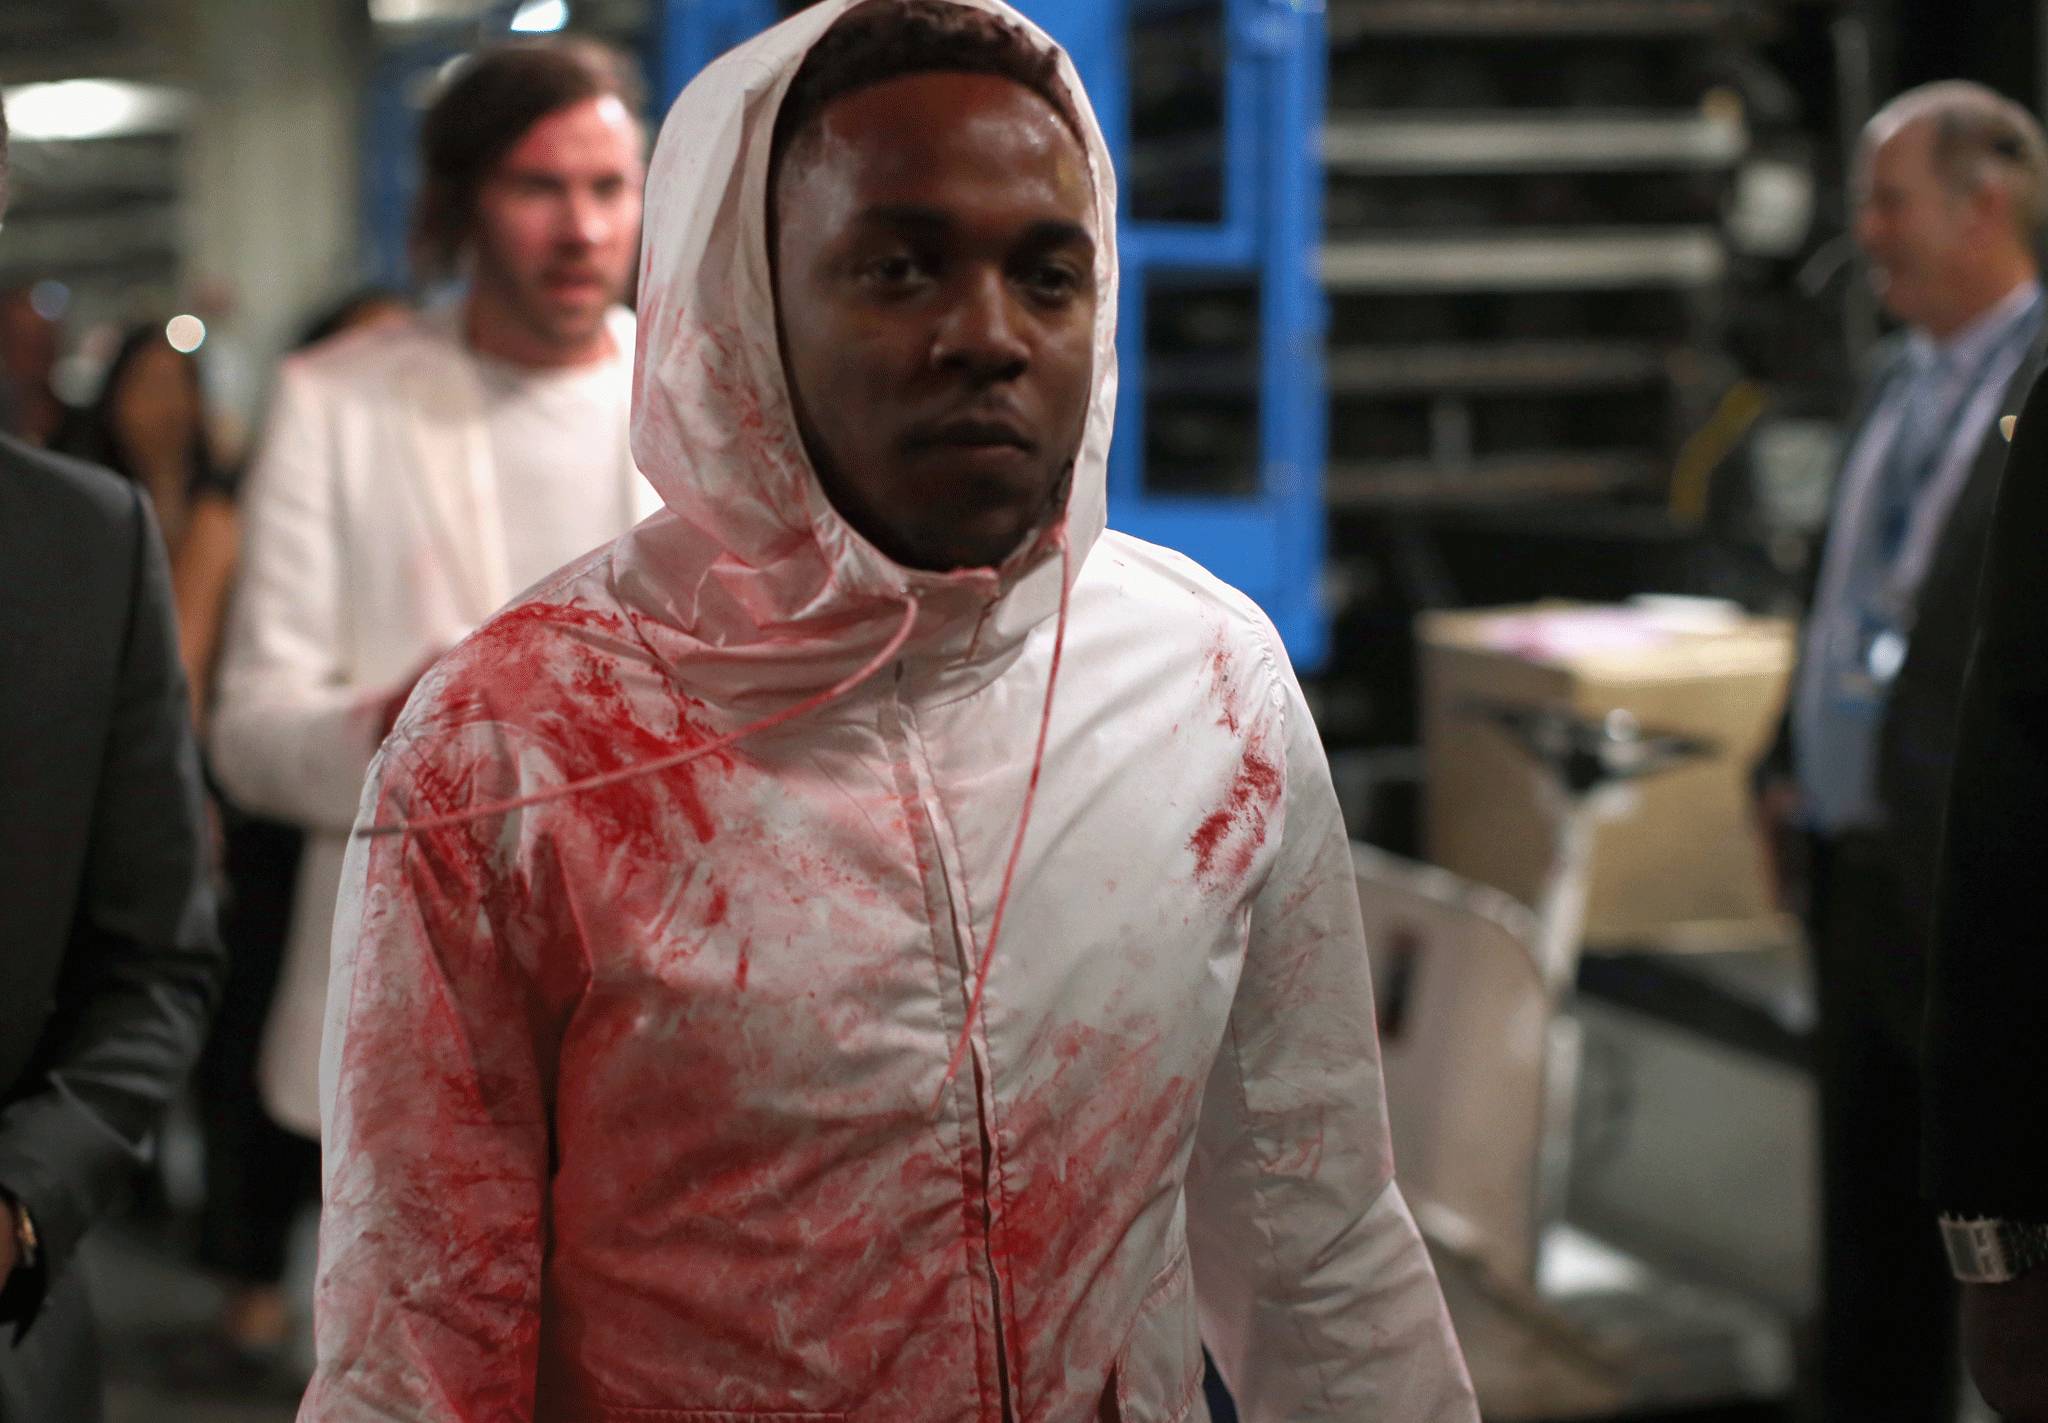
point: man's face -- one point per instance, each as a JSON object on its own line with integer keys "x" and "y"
{"x": 934, "y": 281}
{"x": 558, "y": 222}
{"x": 1920, "y": 235}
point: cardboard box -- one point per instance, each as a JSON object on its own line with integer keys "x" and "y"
{"x": 1682, "y": 866}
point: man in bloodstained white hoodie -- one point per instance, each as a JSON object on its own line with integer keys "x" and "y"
{"x": 869, "y": 944}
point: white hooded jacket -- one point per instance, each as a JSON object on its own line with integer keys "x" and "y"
{"x": 637, "y": 1096}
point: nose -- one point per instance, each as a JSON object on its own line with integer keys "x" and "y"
{"x": 977, "y": 334}
{"x": 586, "y": 220}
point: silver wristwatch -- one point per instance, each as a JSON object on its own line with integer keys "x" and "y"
{"x": 1985, "y": 1251}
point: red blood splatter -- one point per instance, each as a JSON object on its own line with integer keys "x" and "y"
{"x": 1223, "y": 685}
{"x": 436, "y": 1123}
{"x": 688, "y": 1193}
{"x": 1084, "y": 1150}
{"x": 1207, "y": 838}
{"x": 554, "y": 668}
{"x": 1239, "y": 823}
{"x": 1304, "y": 1157}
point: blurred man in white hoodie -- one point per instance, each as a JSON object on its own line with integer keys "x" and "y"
{"x": 869, "y": 944}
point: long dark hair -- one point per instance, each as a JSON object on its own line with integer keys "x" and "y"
{"x": 97, "y": 435}
{"x": 494, "y": 97}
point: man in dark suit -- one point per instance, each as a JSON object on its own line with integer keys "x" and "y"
{"x": 109, "y": 961}
{"x": 1952, "y": 182}
{"x": 1987, "y": 1021}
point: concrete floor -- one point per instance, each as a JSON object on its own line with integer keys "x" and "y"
{"x": 148, "y": 1301}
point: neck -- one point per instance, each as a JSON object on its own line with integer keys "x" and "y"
{"x": 160, "y": 469}
{"x": 165, "y": 479}
{"x": 492, "y": 329}
{"x": 1995, "y": 282}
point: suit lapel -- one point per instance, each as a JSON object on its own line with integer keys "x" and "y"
{"x": 1959, "y": 549}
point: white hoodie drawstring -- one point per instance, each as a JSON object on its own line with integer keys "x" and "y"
{"x": 882, "y": 659}
{"x": 810, "y": 704}
{"x": 995, "y": 927}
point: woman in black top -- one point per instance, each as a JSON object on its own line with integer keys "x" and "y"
{"x": 150, "y": 424}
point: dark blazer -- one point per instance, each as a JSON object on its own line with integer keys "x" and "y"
{"x": 1987, "y": 1021}
{"x": 109, "y": 960}
{"x": 1916, "y": 744}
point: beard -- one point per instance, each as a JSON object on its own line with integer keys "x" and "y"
{"x": 527, "y": 298}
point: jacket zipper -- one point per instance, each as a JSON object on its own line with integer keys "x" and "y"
{"x": 962, "y": 954}
{"x": 988, "y": 1223}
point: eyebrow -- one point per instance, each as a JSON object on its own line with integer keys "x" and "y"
{"x": 915, "y": 217}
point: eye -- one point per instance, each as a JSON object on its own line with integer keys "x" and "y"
{"x": 894, "y": 273}
{"x": 1052, "y": 282}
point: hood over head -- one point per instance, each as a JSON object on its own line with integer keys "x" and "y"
{"x": 759, "y": 588}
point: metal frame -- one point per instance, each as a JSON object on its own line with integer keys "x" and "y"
{"x": 1271, "y": 543}
{"x": 686, "y": 35}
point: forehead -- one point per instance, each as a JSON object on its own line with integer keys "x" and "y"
{"x": 589, "y": 132}
{"x": 945, "y": 141}
{"x": 1901, "y": 155}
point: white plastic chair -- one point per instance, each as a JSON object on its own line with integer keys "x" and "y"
{"x": 1480, "y": 1065}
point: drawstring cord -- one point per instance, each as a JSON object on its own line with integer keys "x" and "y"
{"x": 810, "y": 704}
{"x": 995, "y": 927}
{"x": 662, "y": 763}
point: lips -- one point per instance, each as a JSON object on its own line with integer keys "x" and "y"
{"x": 572, "y": 281}
{"x": 971, "y": 433}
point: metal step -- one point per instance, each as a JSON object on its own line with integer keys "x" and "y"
{"x": 1361, "y": 486}
{"x": 1496, "y": 368}
{"x": 1595, "y": 259}
{"x": 1435, "y": 369}
{"x": 1505, "y": 142}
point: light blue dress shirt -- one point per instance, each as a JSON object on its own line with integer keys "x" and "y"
{"x": 1898, "y": 483}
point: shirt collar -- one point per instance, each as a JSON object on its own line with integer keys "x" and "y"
{"x": 1969, "y": 346}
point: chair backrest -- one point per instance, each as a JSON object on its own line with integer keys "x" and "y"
{"x": 1464, "y": 1017}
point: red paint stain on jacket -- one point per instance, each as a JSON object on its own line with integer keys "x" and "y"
{"x": 1229, "y": 838}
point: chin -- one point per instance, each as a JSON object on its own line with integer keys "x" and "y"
{"x": 570, "y": 325}
{"x": 1899, "y": 299}
{"x": 1906, "y": 313}
{"x": 580, "y": 324}
{"x": 990, "y": 548}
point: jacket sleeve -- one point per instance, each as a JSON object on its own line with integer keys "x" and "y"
{"x": 1987, "y": 1027}
{"x": 1317, "y": 1296}
{"x": 292, "y": 737}
{"x": 143, "y": 965}
{"x": 435, "y": 1129}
